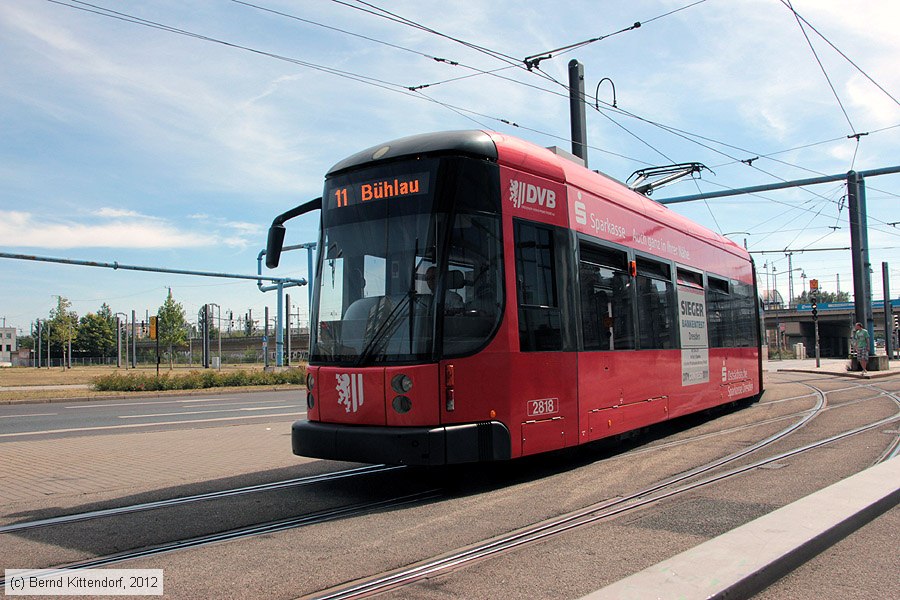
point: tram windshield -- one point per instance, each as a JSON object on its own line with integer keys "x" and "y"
{"x": 411, "y": 266}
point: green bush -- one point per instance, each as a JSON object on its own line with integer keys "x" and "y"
{"x": 195, "y": 380}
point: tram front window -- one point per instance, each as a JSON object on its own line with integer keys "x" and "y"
{"x": 397, "y": 281}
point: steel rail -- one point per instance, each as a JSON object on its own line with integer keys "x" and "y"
{"x": 412, "y": 574}
{"x": 283, "y": 524}
{"x": 528, "y": 535}
{"x": 579, "y": 518}
{"x": 263, "y": 487}
{"x": 893, "y": 450}
{"x": 243, "y": 532}
{"x": 753, "y": 425}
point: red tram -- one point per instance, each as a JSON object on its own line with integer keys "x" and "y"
{"x": 480, "y": 298}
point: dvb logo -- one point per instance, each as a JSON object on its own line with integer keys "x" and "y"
{"x": 526, "y": 193}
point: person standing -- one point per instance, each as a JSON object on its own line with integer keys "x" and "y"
{"x": 861, "y": 341}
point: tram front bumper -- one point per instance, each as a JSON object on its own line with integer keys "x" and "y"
{"x": 429, "y": 446}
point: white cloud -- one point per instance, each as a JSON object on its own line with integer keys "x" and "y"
{"x": 117, "y": 213}
{"x": 22, "y": 229}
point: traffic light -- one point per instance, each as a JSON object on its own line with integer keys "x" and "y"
{"x": 815, "y": 304}
{"x": 153, "y": 328}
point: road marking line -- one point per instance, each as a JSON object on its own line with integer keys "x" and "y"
{"x": 200, "y": 412}
{"x": 28, "y": 415}
{"x": 133, "y": 425}
{"x": 140, "y": 403}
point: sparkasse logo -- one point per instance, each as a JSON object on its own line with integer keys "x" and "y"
{"x": 526, "y": 193}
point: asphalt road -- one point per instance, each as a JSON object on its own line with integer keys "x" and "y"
{"x": 27, "y": 421}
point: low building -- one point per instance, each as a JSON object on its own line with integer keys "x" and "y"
{"x": 8, "y": 345}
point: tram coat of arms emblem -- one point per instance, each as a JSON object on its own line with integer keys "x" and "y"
{"x": 350, "y": 391}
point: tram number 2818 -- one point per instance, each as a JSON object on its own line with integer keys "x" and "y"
{"x": 544, "y": 406}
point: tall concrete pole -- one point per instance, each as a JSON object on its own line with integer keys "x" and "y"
{"x": 133, "y": 340}
{"x": 287, "y": 326}
{"x": 266, "y": 338}
{"x": 279, "y": 326}
{"x": 790, "y": 255}
{"x": 859, "y": 249}
{"x": 118, "y": 342}
{"x": 576, "y": 110}
{"x": 888, "y": 311}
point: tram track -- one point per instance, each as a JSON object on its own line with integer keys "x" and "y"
{"x": 528, "y": 535}
{"x": 538, "y": 532}
{"x": 322, "y": 478}
{"x": 249, "y": 531}
{"x": 181, "y": 500}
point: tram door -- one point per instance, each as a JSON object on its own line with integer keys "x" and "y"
{"x": 546, "y": 371}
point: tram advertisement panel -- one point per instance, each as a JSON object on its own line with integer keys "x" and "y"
{"x": 694, "y": 339}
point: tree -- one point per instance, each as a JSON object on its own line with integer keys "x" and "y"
{"x": 823, "y": 297}
{"x": 63, "y": 326}
{"x": 29, "y": 341}
{"x": 97, "y": 333}
{"x": 172, "y": 326}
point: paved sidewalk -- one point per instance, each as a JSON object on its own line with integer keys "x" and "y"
{"x": 29, "y": 388}
{"x": 831, "y": 366}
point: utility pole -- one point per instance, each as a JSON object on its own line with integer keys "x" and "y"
{"x": 265, "y": 343}
{"x": 888, "y": 311}
{"x": 790, "y": 255}
{"x": 576, "y": 110}
{"x": 859, "y": 248}
{"x": 205, "y": 329}
{"x": 37, "y": 345}
{"x": 119, "y": 342}
{"x": 133, "y": 341}
{"x": 814, "y": 300}
{"x": 219, "y": 332}
{"x": 287, "y": 312}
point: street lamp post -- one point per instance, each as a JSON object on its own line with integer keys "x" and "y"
{"x": 119, "y": 340}
{"x": 219, "y": 330}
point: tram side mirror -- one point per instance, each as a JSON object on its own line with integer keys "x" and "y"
{"x": 274, "y": 245}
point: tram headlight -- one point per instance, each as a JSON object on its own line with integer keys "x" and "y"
{"x": 402, "y": 404}
{"x": 310, "y": 401}
{"x": 310, "y": 381}
{"x": 401, "y": 383}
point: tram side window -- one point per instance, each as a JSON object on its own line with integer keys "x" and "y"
{"x": 606, "y": 299}
{"x": 720, "y": 318}
{"x": 540, "y": 327}
{"x": 656, "y": 305}
{"x": 744, "y": 310}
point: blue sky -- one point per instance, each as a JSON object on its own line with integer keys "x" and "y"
{"x": 121, "y": 142}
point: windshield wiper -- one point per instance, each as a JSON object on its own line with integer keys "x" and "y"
{"x": 385, "y": 331}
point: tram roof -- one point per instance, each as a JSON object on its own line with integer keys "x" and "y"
{"x": 520, "y": 154}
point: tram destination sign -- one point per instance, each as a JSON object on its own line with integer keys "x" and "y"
{"x": 386, "y": 188}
